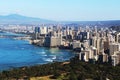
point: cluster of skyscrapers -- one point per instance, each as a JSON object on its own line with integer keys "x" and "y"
{"x": 92, "y": 43}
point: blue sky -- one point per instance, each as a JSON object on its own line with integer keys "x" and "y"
{"x": 63, "y": 10}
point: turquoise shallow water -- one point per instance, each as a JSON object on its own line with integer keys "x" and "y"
{"x": 18, "y": 53}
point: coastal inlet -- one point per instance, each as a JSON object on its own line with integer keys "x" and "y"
{"x": 17, "y": 53}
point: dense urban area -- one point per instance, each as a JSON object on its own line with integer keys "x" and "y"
{"x": 97, "y": 51}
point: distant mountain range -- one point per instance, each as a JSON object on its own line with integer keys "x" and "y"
{"x": 19, "y": 19}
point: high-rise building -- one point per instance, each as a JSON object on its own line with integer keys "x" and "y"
{"x": 117, "y": 37}
{"x": 43, "y": 30}
{"x": 85, "y": 35}
{"x": 84, "y": 55}
{"x": 101, "y": 44}
{"x": 49, "y": 29}
{"x": 94, "y": 54}
{"x": 86, "y": 43}
{"x": 37, "y": 29}
{"x": 115, "y": 59}
{"x": 103, "y": 57}
{"x": 113, "y": 47}
{"x": 76, "y": 44}
{"x": 53, "y": 39}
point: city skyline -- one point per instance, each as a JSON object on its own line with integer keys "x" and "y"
{"x": 63, "y": 10}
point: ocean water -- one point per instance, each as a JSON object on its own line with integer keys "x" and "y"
{"x": 18, "y": 53}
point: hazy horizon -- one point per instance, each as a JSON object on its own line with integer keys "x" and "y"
{"x": 63, "y": 10}
{"x": 19, "y": 15}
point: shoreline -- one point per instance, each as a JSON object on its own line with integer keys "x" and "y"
{"x": 12, "y": 67}
{"x": 64, "y": 70}
{"x": 9, "y": 67}
{"x": 35, "y": 42}
{"x": 34, "y": 65}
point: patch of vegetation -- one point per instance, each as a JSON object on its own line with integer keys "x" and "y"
{"x": 75, "y": 70}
